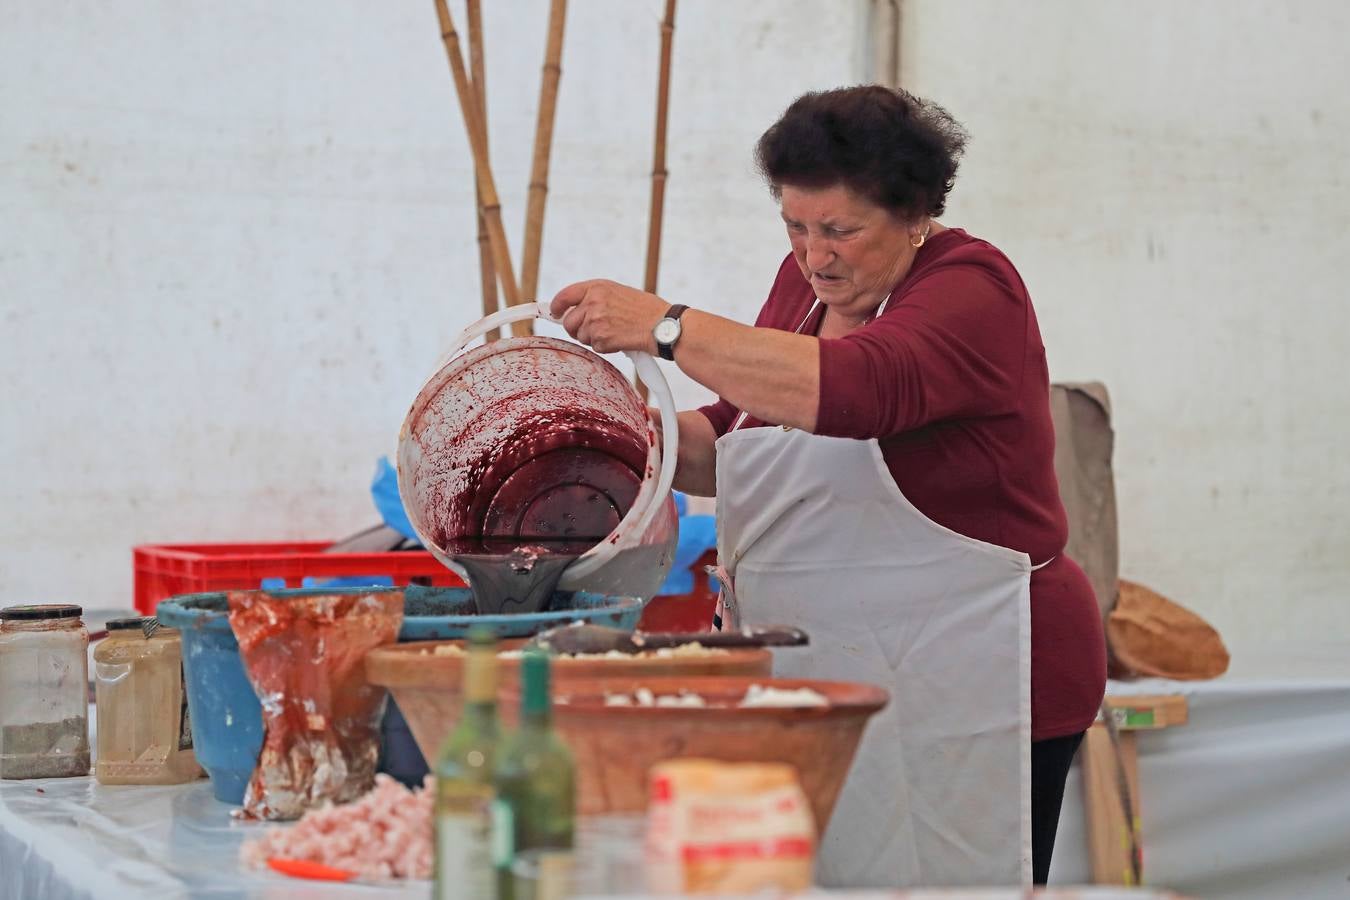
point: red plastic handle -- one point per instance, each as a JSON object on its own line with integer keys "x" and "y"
{"x": 303, "y": 868}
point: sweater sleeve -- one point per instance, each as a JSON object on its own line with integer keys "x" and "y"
{"x": 720, "y": 414}
{"x": 954, "y": 345}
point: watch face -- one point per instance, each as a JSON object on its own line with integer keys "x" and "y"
{"x": 666, "y": 331}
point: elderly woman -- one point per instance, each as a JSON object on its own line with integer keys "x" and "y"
{"x": 882, "y": 460}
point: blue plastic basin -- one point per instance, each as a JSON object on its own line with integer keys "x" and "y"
{"x": 441, "y": 614}
{"x": 227, "y": 728}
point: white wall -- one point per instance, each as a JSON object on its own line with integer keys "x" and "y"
{"x": 235, "y": 237}
{"x": 1172, "y": 180}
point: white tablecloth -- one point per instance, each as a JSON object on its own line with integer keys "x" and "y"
{"x": 1251, "y": 798}
{"x": 74, "y": 838}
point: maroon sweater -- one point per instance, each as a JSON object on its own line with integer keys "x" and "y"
{"x": 952, "y": 380}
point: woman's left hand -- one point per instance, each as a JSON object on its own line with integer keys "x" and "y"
{"x": 608, "y": 316}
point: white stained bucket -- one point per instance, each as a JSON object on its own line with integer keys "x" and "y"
{"x": 526, "y": 438}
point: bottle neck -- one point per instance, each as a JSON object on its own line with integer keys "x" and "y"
{"x": 536, "y": 705}
{"x": 480, "y": 678}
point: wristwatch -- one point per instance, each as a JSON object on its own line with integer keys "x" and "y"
{"x": 667, "y": 331}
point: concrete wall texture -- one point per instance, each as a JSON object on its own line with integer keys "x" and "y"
{"x": 233, "y": 241}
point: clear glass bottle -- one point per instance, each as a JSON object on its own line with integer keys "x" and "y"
{"x": 465, "y": 852}
{"x": 537, "y": 785}
{"x": 144, "y": 733}
{"x": 44, "y": 692}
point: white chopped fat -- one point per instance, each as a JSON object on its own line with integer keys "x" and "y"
{"x": 760, "y": 696}
{"x": 644, "y": 697}
{"x": 756, "y": 696}
{"x": 694, "y": 649}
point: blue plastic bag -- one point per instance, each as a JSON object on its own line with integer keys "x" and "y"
{"x": 698, "y": 535}
{"x": 384, "y": 491}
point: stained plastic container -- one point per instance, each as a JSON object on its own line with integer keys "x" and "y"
{"x": 144, "y": 728}
{"x": 541, "y": 440}
{"x": 44, "y": 695}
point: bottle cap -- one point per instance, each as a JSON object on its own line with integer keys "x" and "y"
{"x": 133, "y": 622}
{"x": 41, "y": 611}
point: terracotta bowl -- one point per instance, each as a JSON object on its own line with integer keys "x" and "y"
{"x": 427, "y": 687}
{"x": 614, "y": 746}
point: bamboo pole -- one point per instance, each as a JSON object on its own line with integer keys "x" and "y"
{"x": 659, "y": 172}
{"x": 473, "y": 124}
{"x": 474, "y": 15}
{"x": 543, "y": 144}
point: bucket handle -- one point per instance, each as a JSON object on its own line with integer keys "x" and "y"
{"x": 651, "y": 494}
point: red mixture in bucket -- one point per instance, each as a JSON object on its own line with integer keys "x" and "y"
{"x": 559, "y": 488}
{"x": 564, "y": 475}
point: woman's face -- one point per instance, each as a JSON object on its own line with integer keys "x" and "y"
{"x": 851, "y": 250}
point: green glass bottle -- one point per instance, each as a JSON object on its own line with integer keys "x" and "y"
{"x": 465, "y": 864}
{"x": 536, "y": 785}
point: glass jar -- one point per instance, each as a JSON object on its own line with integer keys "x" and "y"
{"x": 144, "y": 734}
{"x": 44, "y": 692}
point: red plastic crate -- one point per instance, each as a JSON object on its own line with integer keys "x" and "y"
{"x": 164, "y": 570}
{"x": 684, "y": 612}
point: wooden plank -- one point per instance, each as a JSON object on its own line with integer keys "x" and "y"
{"x": 1109, "y": 844}
{"x": 1146, "y": 712}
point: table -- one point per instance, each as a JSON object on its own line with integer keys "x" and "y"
{"x": 1251, "y": 797}
{"x": 74, "y": 839}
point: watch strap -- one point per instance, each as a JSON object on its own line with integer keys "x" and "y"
{"x": 667, "y": 351}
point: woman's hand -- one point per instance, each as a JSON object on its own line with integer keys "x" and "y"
{"x": 609, "y": 317}
{"x": 773, "y": 375}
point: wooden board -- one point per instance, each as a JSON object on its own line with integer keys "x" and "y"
{"x": 1108, "y": 830}
{"x": 1148, "y": 711}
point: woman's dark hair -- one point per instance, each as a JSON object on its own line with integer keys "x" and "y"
{"x": 898, "y": 150}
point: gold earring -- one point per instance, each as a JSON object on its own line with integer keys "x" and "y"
{"x": 922, "y": 238}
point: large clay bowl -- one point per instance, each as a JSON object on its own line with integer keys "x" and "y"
{"x": 428, "y": 687}
{"x": 615, "y": 746}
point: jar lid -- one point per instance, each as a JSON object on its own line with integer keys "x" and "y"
{"x": 133, "y": 622}
{"x": 41, "y": 611}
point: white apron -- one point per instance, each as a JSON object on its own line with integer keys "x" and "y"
{"x": 814, "y": 532}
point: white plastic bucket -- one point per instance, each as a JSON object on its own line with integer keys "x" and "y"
{"x": 550, "y": 432}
